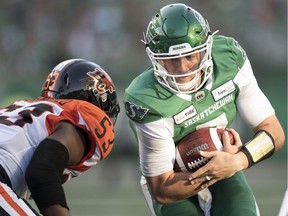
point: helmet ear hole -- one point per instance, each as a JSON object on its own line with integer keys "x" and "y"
{"x": 66, "y": 80}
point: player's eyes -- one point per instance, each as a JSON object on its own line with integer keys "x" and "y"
{"x": 189, "y": 57}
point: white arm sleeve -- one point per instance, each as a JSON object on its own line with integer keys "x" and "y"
{"x": 156, "y": 147}
{"x": 253, "y": 105}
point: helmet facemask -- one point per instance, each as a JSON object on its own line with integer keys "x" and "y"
{"x": 102, "y": 91}
{"x": 106, "y": 103}
{"x": 169, "y": 79}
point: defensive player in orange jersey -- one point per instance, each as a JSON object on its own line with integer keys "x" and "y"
{"x": 60, "y": 135}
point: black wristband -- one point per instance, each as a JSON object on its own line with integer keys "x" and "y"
{"x": 261, "y": 147}
{"x": 248, "y": 155}
{"x": 43, "y": 174}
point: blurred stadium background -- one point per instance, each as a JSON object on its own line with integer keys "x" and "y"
{"x": 36, "y": 35}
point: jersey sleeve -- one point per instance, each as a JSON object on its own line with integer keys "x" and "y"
{"x": 227, "y": 53}
{"x": 156, "y": 147}
{"x": 252, "y": 104}
{"x": 98, "y": 126}
{"x": 94, "y": 122}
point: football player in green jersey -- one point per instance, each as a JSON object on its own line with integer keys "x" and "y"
{"x": 197, "y": 79}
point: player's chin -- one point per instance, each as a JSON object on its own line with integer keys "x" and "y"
{"x": 183, "y": 80}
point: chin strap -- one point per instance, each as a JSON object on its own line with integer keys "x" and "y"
{"x": 261, "y": 147}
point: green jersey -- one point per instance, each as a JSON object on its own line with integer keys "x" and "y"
{"x": 161, "y": 117}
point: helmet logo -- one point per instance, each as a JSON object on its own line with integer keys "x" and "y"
{"x": 51, "y": 81}
{"x": 202, "y": 22}
{"x": 100, "y": 82}
{"x": 151, "y": 33}
{"x": 185, "y": 47}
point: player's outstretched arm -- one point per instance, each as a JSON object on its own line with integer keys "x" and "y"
{"x": 65, "y": 146}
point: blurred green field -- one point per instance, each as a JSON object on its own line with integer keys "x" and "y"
{"x": 112, "y": 189}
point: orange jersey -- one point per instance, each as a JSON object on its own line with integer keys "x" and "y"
{"x": 24, "y": 124}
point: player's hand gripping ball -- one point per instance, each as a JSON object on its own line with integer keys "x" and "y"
{"x": 188, "y": 158}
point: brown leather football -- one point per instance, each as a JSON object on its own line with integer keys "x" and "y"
{"x": 187, "y": 156}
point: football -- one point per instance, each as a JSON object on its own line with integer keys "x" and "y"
{"x": 187, "y": 156}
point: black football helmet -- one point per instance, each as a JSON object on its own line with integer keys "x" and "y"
{"x": 82, "y": 80}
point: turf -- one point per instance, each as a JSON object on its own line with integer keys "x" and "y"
{"x": 112, "y": 189}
